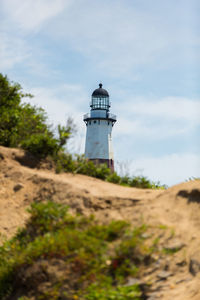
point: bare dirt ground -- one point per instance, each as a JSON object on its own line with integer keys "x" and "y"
{"x": 173, "y": 214}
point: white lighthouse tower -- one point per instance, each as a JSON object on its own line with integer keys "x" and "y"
{"x": 99, "y": 122}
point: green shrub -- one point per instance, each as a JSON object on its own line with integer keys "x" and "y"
{"x": 82, "y": 243}
{"x": 24, "y": 125}
{"x": 125, "y": 180}
{"x": 113, "y": 293}
{"x": 140, "y": 182}
{"x": 10, "y": 96}
{"x": 64, "y": 162}
{"x": 41, "y": 145}
{"x": 45, "y": 215}
{"x": 32, "y": 120}
{"x": 192, "y": 178}
{"x": 102, "y": 171}
{"x": 80, "y": 165}
{"x": 114, "y": 178}
{"x": 109, "y": 232}
{"x": 99, "y": 259}
{"x": 83, "y": 166}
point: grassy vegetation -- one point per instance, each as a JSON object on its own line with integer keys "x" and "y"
{"x": 65, "y": 162}
{"x": 170, "y": 251}
{"x": 193, "y": 178}
{"x": 96, "y": 259}
{"x": 63, "y": 256}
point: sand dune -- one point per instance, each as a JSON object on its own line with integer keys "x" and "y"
{"x": 177, "y": 208}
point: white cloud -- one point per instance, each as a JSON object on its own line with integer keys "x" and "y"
{"x": 158, "y": 119}
{"x": 116, "y": 36}
{"x": 126, "y": 35}
{"x": 12, "y": 51}
{"x": 60, "y": 101}
{"x": 31, "y": 14}
{"x": 148, "y": 128}
{"x": 174, "y": 108}
{"x": 115, "y": 32}
{"x": 168, "y": 169}
{"x": 19, "y": 20}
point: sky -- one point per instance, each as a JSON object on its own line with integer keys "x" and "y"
{"x": 145, "y": 52}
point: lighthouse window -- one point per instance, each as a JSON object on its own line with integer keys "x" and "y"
{"x": 89, "y": 122}
{"x": 100, "y": 102}
{"x": 99, "y": 121}
{"x": 95, "y": 122}
{"x": 108, "y": 123}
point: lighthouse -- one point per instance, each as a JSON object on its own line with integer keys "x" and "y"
{"x": 99, "y": 122}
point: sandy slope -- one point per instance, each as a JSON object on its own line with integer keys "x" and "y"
{"x": 177, "y": 208}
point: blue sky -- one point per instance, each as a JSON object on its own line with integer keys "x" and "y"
{"x": 145, "y": 52}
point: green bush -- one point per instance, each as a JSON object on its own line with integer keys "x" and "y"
{"x": 64, "y": 162}
{"x": 140, "y": 182}
{"x": 10, "y": 96}
{"x": 114, "y": 293}
{"x": 98, "y": 258}
{"x": 80, "y": 165}
{"x": 125, "y": 180}
{"x": 114, "y": 178}
{"x": 81, "y": 243}
{"x": 24, "y": 125}
{"x": 41, "y": 145}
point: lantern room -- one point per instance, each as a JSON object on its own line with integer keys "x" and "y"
{"x": 100, "y": 99}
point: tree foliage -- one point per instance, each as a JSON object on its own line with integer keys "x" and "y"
{"x": 24, "y": 125}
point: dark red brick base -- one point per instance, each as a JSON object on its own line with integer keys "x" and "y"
{"x": 108, "y": 162}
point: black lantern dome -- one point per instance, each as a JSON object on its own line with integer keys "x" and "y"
{"x": 100, "y": 92}
{"x": 100, "y": 99}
